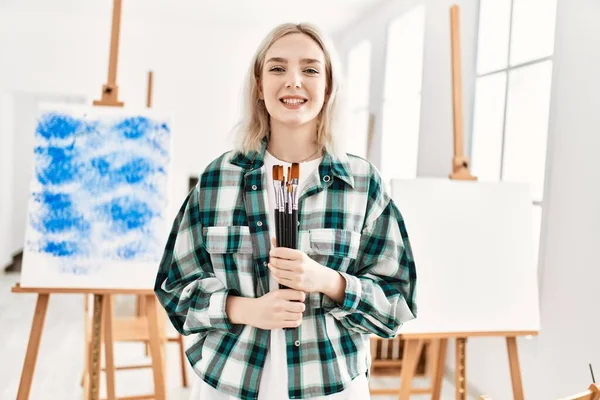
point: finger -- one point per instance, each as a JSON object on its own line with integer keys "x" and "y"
{"x": 295, "y": 307}
{"x": 273, "y": 242}
{"x": 286, "y": 278}
{"x": 285, "y": 253}
{"x": 280, "y": 264}
{"x": 289, "y": 284}
{"x": 292, "y": 316}
{"x": 292, "y": 324}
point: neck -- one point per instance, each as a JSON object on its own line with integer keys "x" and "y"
{"x": 294, "y": 144}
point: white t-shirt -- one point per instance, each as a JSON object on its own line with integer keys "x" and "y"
{"x": 274, "y": 378}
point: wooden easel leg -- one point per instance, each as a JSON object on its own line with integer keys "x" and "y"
{"x": 515, "y": 370}
{"x": 431, "y": 357}
{"x": 86, "y": 336}
{"x": 33, "y": 347}
{"x": 410, "y": 358}
{"x": 440, "y": 365}
{"x": 183, "y": 360}
{"x": 95, "y": 348}
{"x": 87, "y": 347}
{"x": 461, "y": 369}
{"x": 141, "y": 311}
{"x": 108, "y": 348}
{"x": 373, "y": 342}
{"x": 156, "y": 348}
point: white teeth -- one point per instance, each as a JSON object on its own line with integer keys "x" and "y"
{"x": 293, "y": 101}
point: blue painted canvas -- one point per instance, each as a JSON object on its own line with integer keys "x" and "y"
{"x": 98, "y": 198}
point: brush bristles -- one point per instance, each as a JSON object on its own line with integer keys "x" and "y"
{"x": 295, "y": 171}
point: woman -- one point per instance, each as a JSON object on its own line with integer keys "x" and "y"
{"x": 353, "y": 274}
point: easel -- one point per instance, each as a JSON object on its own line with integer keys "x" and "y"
{"x": 103, "y": 326}
{"x": 101, "y": 318}
{"x": 414, "y": 343}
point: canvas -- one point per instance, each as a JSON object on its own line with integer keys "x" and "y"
{"x": 96, "y": 214}
{"x": 473, "y": 247}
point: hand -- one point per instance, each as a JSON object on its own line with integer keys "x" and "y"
{"x": 278, "y": 309}
{"x": 296, "y": 270}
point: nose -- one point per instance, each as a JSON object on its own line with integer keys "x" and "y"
{"x": 294, "y": 80}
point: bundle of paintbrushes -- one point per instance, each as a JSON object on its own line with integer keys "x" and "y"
{"x": 286, "y": 209}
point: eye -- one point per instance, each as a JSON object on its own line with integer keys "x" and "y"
{"x": 311, "y": 71}
{"x": 276, "y": 69}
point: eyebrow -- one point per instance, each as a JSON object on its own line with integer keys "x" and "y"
{"x": 284, "y": 61}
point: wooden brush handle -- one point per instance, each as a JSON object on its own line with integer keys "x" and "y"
{"x": 277, "y": 236}
{"x": 294, "y": 229}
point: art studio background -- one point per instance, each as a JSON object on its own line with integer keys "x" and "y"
{"x": 530, "y": 96}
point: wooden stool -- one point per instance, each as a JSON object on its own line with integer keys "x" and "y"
{"x": 128, "y": 329}
{"x": 387, "y": 358}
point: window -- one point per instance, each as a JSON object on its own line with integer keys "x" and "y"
{"x": 512, "y": 95}
{"x": 402, "y": 95}
{"x": 359, "y": 74}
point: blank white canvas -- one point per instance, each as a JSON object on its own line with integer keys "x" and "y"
{"x": 474, "y": 253}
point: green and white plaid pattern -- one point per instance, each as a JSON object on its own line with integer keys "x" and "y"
{"x": 219, "y": 245}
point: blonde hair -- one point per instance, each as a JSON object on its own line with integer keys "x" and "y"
{"x": 254, "y": 126}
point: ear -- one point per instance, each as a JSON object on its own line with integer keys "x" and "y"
{"x": 327, "y": 93}
{"x": 261, "y": 95}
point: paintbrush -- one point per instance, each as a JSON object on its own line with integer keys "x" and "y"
{"x": 277, "y": 189}
{"x": 281, "y": 207}
{"x": 289, "y": 210}
{"x": 294, "y": 179}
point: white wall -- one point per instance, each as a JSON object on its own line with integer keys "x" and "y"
{"x": 436, "y": 132}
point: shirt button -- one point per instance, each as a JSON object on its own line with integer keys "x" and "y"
{"x": 259, "y": 223}
{"x": 297, "y": 343}
{"x": 326, "y": 178}
{"x": 265, "y": 263}
{"x": 253, "y": 187}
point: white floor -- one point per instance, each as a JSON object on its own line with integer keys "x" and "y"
{"x": 60, "y": 360}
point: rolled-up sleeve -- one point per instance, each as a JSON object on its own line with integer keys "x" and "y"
{"x": 186, "y": 286}
{"x": 380, "y": 292}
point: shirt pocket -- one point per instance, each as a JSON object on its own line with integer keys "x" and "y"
{"x": 338, "y": 243}
{"x": 333, "y": 248}
{"x": 230, "y": 249}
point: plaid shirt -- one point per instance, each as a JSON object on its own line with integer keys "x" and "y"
{"x": 219, "y": 245}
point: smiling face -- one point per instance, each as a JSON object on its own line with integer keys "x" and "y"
{"x": 294, "y": 80}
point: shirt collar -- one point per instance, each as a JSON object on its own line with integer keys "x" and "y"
{"x": 338, "y": 166}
